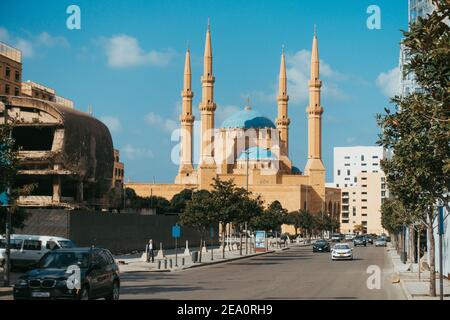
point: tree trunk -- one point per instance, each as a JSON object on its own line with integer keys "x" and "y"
{"x": 201, "y": 247}
{"x": 224, "y": 232}
{"x": 411, "y": 245}
{"x": 432, "y": 261}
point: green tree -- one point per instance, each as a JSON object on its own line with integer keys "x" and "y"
{"x": 418, "y": 129}
{"x": 197, "y": 214}
{"x": 134, "y": 201}
{"x": 179, "y": 201}
{"x": 228, "y": 204}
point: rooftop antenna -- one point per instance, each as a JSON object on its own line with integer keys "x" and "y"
{"x": 187, "y": 45}
{"x": 315, "y": 29}
{"x": 209, "y": 25}
{"x": 282, "y": 49}
{"x": 90, "y": 110}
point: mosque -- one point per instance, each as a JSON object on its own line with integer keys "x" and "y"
{"x": 250, "y": 148}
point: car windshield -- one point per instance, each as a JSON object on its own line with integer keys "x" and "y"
{"x": 62, "y": 260}
{"x": 380, "y": 239}
{"x": 321, "y": 242}
{"x": 66, "y": 244}
{"x": 341, "y": 246}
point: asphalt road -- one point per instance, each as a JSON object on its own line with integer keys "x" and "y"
{"x": 297, "y": 273}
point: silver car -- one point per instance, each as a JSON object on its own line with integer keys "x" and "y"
{"x": 380, "y": 242}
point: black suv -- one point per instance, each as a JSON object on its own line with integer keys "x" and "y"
{"x": 360, "y": 241}
{"x": 73, "y": 273}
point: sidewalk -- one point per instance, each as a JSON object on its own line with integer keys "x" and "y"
{"x": 413, "y": 288}
{"x": 134, "y": 263}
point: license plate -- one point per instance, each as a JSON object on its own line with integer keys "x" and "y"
{"x": 38, "y": 294}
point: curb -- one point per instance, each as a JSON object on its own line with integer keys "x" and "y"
{"x": 6, "y": 291}
{"x": 405, "y": 290}
{"x": 205, "y": 264}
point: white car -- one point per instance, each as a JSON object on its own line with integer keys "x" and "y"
{"x": 28, "y": 249}
{"x": 380, "y": 242}
{"x": 342, "y": 251}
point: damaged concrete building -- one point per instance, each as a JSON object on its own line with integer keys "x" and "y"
{"x": 67, "y": 154}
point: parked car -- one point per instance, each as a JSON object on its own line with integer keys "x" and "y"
{"x": 342, "y": 251}
{"x": 28, "y": 249}
{"x": 321, "y": 245}
{"x": 98, "y": 278}
{"x": 380, "y": 242}
{"x": 349, "y": 236}
{"x": 360, "y": 240}
{"x": 336, "y": 237}
{"x": 369, "y": 238}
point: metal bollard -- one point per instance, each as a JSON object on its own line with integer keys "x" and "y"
{"x": 182, "y": 261}
{"x": 170, "y": 263}
{"x": 159, "y": 264}
{"x": 165, "y": 263}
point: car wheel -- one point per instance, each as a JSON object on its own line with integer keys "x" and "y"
{"x": 115, "y": 292}
{"x": 84, "y": 294}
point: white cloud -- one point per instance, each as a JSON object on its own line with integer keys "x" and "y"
{"x": 124, "y": 51}
{"x": 298, "y": 73}
{"x": 47, "y": 40}
{"x": 29, "y": 43}
{"x": 131, "y": 152}
{"x": 25, "y": 46}
{"x": 389, "y": 82}
{"x": 4, "y": 35}
{"x": 113, "y": 123}
{"x": 166, "y": 124}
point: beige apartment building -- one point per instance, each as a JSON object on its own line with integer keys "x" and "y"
{"x": 361, "y": 204}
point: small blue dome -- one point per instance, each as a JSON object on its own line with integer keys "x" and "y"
{"x": 246, "y": 119}
{"x": 257, "y": 153}
{"x": 295, "y": 170}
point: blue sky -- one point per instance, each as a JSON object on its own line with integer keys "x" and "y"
{"x": 127, "y": 62}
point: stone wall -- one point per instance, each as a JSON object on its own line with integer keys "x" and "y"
{"x": 120, "y": 233}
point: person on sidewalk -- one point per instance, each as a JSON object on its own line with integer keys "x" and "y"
{"x": 150, "y": 252}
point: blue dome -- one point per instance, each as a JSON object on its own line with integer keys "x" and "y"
{"x": 257, "y": 153}
{"x": 246, "y": 119}
{"x": 295, "y": 170}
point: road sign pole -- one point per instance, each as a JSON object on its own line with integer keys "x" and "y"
{"x": 176, "y": 252}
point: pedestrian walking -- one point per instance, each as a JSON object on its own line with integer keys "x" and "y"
{"x": 150, "y": 252}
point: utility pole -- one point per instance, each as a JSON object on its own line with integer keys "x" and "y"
{"x": 6, "y": 278}
{"x": 246, "y": 231}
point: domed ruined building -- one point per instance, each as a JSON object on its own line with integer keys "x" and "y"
{"x": 65, "y": 153}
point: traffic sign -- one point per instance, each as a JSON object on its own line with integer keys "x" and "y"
{"x": 176, "y": 231}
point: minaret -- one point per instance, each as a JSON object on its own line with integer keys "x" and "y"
{"x": 314, "y": 167}
{"x": 283, "y": 120}
{"x": 207, "y": 108}
{"x": 186, "y": 121}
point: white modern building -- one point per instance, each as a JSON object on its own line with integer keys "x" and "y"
{"x": 358, "y": 173}
{"x": 350, "y": 161}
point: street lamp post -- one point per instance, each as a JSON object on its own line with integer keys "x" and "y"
{"x": 246, "y": 232}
